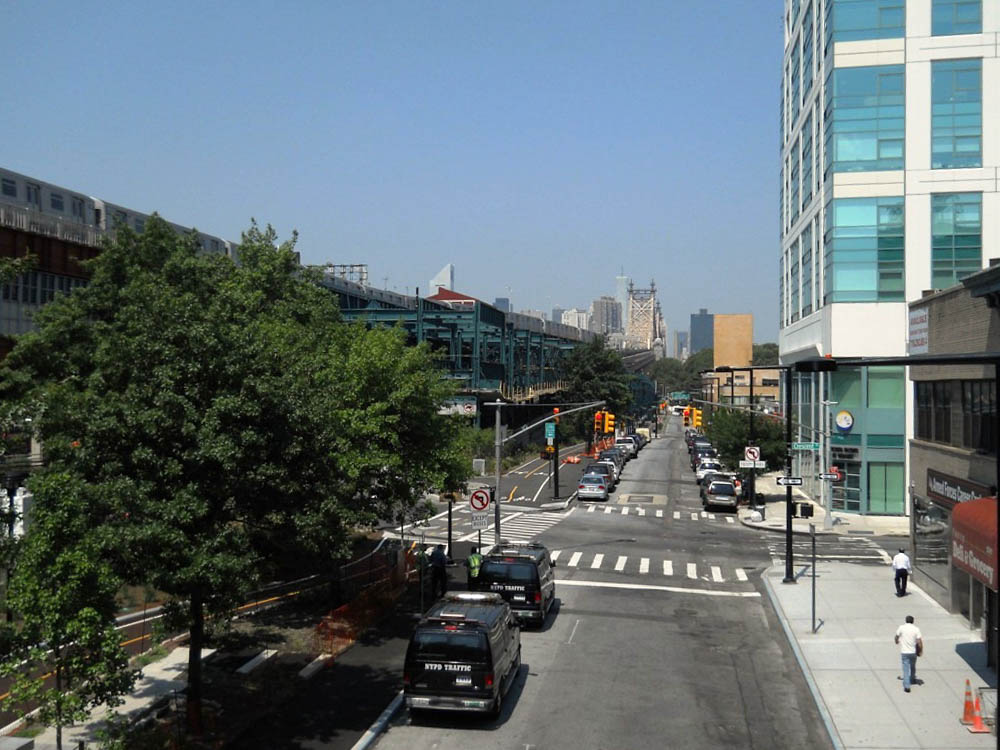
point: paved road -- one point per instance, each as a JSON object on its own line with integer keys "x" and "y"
{"x": 661, "y": 637}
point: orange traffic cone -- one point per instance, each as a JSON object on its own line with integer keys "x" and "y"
{"x": 969, "y": 711}
{"x": 977, "y": 721}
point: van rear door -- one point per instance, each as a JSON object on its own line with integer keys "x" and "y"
{"x": 516, "y": 580}
{"x": 448, "y": 662}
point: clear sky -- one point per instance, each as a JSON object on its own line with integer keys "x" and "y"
{"x": 541, "y": 147}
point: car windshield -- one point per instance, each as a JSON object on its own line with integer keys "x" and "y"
{"x": 429, "y": 645}
{"x": 721, "y": 488}
{"x": 592, "y": 479}
{"x": 708, "y": 466}
{"x": 498, "y": 571}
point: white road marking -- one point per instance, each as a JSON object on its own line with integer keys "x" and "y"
{"x": 641, "y": 511}
{"x": 598, "y": 559}
{"x": 711, "y": 516}
{"x": 314, "y": 666}
{"x": 659, "y": 514}
{"x": 607, "y": 509}
{"x": 624, "y": 510}
{"x": 694, "y": 516}
{"x": 651, "y": 587}
{"x": 255, "y": 662}
{"x": 620, "y": 565}
{"x": 677, "y": 515}
{"x": 554, "y": 554}
{"x": 692, "y": 570}
{"x": 574, "y": 559}
{"x": 592, "y": 508}
{"x": 644, "y": 565}
{"x": 668, "y": 567}
{"x": 717, "y": 574}
{"x": 575, "y": 626}
{"x": 741, "y": 574}
{"x": 729, "y": 519}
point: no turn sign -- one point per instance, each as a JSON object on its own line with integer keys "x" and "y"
{"x": 751, "y": 453}
{"x": 479, "y": 500}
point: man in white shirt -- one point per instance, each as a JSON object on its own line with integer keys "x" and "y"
{"x": 901, "y": 564}
{"x": 911, "y": 645}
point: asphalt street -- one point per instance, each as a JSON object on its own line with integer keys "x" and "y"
{"x": 661, "y": 637}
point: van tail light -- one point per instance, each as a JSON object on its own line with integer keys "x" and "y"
{"x": 406, "y": 679}
{"x": 538, "y": 597}
{"x": 489, "y": 679}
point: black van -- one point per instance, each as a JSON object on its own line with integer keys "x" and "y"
{"x": 522, "y": 574}
{"x": 463, "y": 655}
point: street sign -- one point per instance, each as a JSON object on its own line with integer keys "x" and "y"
{"x": 550, "y": 448}
{"x": 753, "y": 464}
{"x": 480, "y": 520}
{"x": 479, "y": 500}
{"x": 751, "y": 453}
{"x": 550, "y": 430}
{"x": 789, "y": 481}
{"x": 831, "y": 476}
{"x": 805, "y": 446}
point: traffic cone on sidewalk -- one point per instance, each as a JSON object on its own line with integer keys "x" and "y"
{"x": 969, "y": 710}
{"x": 977, "y": 721}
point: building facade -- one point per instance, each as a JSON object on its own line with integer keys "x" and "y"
{"x": 702, "y": 331}
{"x": 890, "y": 133}
{"x": 502, "y": 304}
{"x": 576, "y": 318}
{"x": 680, "y": 350}
{"x": 732, "y": 340}
{"x": 606, "y": 316}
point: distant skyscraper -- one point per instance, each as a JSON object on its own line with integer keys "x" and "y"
{"x": 621, "y": 294}
{"x": 680, "y": 344}
{"x": 605, "y": 315}
{"x": 534, "y": 314}
{"x": 445, "y": 278}
{"x": 557, "y": 314}
{"x": 702, "y": 331}
{"x": 502, "y": 304}
{"x": 576, "y": 318}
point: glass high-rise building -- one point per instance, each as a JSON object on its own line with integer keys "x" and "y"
{"x": 702, "y": 331}
{"x": 890, "y": 149}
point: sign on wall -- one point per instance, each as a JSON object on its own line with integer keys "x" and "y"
{"x": 952, "y": 490}
{"x": 918, "y": 331}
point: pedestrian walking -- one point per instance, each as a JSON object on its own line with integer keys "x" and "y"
{"x": 439, "y": 576}
{"x": 911, "y": 645}
{"x": 472, "y": 563}
{"x": 901, "y": 564}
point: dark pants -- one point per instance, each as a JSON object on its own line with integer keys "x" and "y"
{"x": 901, "y": 574}
{"x": 439, "y": 580}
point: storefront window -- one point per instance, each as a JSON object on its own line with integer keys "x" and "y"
{"x": 885, "y": 488}
{"x": 847, "y": 494}
{"x": 932, "y": 539}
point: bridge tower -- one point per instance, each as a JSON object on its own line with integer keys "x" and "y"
{"x": 644, "y": 317}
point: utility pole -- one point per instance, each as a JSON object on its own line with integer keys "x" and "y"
{"x": 555, "y": 456}
{"x": 496, "y": 491}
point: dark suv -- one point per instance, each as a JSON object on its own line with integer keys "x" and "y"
{"x": 522, "y": 574}
{"x": 463, "y": 655}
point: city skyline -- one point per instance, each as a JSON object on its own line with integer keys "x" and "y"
{"x": 515, "y": 141}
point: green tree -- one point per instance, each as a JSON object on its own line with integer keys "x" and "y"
{"x": 595, "y": 373}
{"x": 64, "y": 594}
{"x": 765, "y": 354}
{"x": 729, "y": 432}
{"x": 223, "y": 417}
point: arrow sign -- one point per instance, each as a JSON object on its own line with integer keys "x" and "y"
{"x": 479, "y": 500}
{"x": 830, "y": 477}
{"x": 789, "y": 481}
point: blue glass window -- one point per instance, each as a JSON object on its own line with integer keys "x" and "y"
{"x": 956, "y": 237}
{"x": 853, "y": 20}
{"x": 807, "y": 158}
{"x": 865, "y": 119}
{"x": 781, "y": 297}
{"x": 794, "y": 282}
{"x": 956, "y": 17}
{"x": 956, "y": 114}
{"x": 807, "y": 271}
{"x": 796, "y": 92}
{"x": 794, "y": 184}
{"x": 807, "y": 52}
{"x": 863, "y": 245}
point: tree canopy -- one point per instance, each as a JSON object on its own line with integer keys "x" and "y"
{"x": 223, "y": 419}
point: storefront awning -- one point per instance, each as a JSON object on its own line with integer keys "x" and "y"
{"x": 974, "y": 539}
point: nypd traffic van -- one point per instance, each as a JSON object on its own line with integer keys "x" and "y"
{"x": 522, "y": 574}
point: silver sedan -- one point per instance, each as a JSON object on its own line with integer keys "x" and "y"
{"x": 592, "y": 487}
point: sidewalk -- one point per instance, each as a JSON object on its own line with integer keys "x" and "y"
{"x": 838, "y": 523}
{"x": 852, "y": 665}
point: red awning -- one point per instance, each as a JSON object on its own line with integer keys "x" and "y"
{"x": 974, "y": 539}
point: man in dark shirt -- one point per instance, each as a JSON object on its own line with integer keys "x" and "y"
{"x": 439, "y": 576}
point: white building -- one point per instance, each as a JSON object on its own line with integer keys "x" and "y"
{"x": 578, "y": 318}
{"x": 890, "y": 132}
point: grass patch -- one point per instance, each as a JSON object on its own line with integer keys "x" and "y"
{"x": 156, "y": 653}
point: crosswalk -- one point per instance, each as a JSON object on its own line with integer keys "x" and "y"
{"x": 625, "y": 510}
{"x": 832, "y": 549}
{"x": 683, "y": 515}
{"x": 522, "y": 526}
{"x": 646, "y": 566}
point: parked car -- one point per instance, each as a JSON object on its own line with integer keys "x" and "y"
{"x": 719, "y": 494}
{"x": 628, "y": 445}
{"x": 700, "y": 455}
{"x": 593, "y": 487}
{"x": 603, "y": 469}
{"x": 613, "y": 454}
{"x": 704, "y": 468}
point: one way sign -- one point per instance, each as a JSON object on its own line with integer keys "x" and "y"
{"x": 789, "y": 481}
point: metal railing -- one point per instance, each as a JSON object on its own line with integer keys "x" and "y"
{"x": 36, "y": 222}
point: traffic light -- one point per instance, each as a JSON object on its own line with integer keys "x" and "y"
{"x": 599, "y": 421}
{"x": 609, "y": 422}
{"x": 687, "y": 417}
{"x": 696, "y": 421}
{"x": 555, "y": 410}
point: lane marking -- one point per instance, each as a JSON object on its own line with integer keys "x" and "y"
{"x": 620, "y": 565}
{"x": 511, "y": 495}
{"x": 575, "y": 626}
{"x": 692, "y": 570}
{"x": 704, "y": 514}
{"x": 574, "y": 559}
{"x": 607, "y": 509}
{"x": 741, "y": 574}
{"x": 729, "y": 519}
{"x": 598, "y": 559}
{"x": 652, "y": 587}
{"x": 659, "y": 514}
{"x": 624, "y": 510}
{"x": 554, "y": 554}
{"x": 643, "y": 565}
{"x": 592, "y": 508}
{"x": 677, "y": 515}
{"x": 717, "y": 574}
{"x": 694, "y": 516}
{"x": 711, "y": 516}
{"x": 641, "y": 511}
{"x": 668, "y": 567}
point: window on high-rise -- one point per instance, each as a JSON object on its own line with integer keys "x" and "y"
{"x": 863, "y": 247}
{"x": 794, "y": 183}
{"x": 956, "y": 237}
{"x": 807, "y": 51}
{"x": 782, "y": 287}
{"x": 795, "y": 90}
{"x": 865, "y": 119}
{"x": 956, "y": 17}
{"x": 854, "y": 20}
{"x": 807, "y": 271}
{"x": 956, "y": 114}
{"x": 793, "y": 283}
{"x": 807, "y": 159}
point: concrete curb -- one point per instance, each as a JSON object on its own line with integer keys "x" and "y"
{"x": 372, "y": 733}
{"x": 824, "y": 713}
{"x": 559, "y": 505}
{"x": 761, "y": 527}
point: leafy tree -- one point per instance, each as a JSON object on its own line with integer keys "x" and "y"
{"x": 729, "y": 432}
{"x": 65, "y": 596}
{"x": 223, "y": 417}
{"x": 765, "y": 354}
{"x": 596, "y": 373}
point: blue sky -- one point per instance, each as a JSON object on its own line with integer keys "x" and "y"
{"x": 540, "y": 147}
